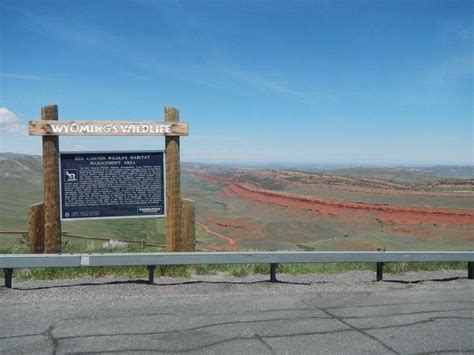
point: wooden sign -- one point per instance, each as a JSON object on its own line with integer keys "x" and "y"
{"x": 107, "y": 128}
{"x": 137, "y": 185}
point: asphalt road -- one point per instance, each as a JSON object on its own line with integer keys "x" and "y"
{"x": 311, "y": 314}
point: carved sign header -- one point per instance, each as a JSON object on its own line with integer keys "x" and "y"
{"x": 107, "y": 128}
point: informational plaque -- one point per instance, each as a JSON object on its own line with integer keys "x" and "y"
{"x": 112, "y": 185}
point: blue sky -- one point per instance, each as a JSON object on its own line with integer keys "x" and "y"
{"x": 258, "y": 81}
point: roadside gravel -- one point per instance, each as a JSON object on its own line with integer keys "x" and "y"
{"x": 113, "y": 287}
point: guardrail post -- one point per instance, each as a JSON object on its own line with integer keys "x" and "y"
{"x": 8, "y": 277}
{"x": 380, "y": 271}
{"x": 151, "y": 274}
{"x": 470, "y": 270}
{"x": 273, "y": 270}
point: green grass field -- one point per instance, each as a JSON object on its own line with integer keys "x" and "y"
{"x": 17, "y": 196}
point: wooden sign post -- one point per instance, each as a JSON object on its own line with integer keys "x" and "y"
{"x": 173, "y": 185}
{"x": 180, "y": 234}
{"x": 52, "y": 220}
{"x": 36, "y": 228}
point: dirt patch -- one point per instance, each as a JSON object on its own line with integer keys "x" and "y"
{"x": 426, "y": 234}
{"x": 226, "y": 225}
{"x": 217, "y": 234}
{"x": 354, "y": 245}
{"x": 420, "y": 234}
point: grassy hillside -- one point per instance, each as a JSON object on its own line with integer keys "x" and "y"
{"x": 16, "y": 195}
{"x": 460, "y": 172}
{"x": 399, "y": 175}
{"x": 414, "y": 175}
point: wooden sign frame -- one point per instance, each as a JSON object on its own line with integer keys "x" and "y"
{"x": 180, "y": 213}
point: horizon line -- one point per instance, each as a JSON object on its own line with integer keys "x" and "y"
{"x": 357, "y": 162}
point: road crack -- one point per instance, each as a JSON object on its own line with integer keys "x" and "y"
{"x": 260, "y": 339}
{"x": 52, "y": 338}
{"x": 361, "y": 331}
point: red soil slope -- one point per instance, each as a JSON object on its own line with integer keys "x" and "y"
{"x": 405, "y": 215}
{"x": 384, "y": 213}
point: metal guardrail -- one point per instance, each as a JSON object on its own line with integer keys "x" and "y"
{"x": 13, "y": 261}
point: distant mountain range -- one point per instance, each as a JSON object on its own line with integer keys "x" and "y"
{"x": 21, "y": 167}
{"x": 29, "y": 168}
{"x": 10, "y": 155}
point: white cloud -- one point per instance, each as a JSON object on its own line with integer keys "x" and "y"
{"x": 456, "y": 31}
{"x": 9, "y": 122}
{"x": 23, "y": 76}
{"x": 456, "y": 67}
{"x": 338, "y": 120}
{"x": 263, "y": 84}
